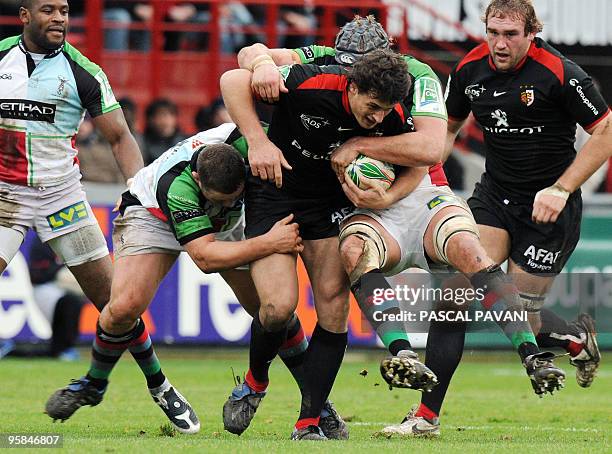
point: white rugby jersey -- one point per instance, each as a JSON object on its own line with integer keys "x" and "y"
{"x": 41, "y": 109}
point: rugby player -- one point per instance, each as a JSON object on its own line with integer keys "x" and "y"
{"x": 189, "y": 199}
{"x": 307, "y": 187}
{"x": 527, "y": 97}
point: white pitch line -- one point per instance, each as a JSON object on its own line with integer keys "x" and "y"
{"x": 501, "y": 426}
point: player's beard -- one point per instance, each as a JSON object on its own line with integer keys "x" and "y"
{"x": 40, "y": 39}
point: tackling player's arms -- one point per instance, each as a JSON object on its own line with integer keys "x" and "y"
{"x": 212, "y": 256}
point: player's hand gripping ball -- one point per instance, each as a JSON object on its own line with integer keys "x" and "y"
{"x": 368, "y": 173}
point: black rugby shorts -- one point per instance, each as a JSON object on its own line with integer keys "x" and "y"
{"x": 318, "y": 218}
{"x": 536, "y": 248}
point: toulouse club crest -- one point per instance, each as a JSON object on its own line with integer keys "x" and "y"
{"x": 527, "y": 96}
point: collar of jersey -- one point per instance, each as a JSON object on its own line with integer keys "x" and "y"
{"x": 51, "y": 54}
{"x": 518, "y": 67}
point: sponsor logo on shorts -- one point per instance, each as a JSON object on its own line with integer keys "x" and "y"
{"x": 437, "y": 200}
{"x": 540, "y": 259}
{"x": 186, "y": 215}
{"x": 23, "y": 109}
{"x": 338, "y": 216}
{"x": 68, "y": 216}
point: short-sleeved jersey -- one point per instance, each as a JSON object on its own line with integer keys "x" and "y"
{"x": 313, "y": 119}
{"x": 528, "y": 115}
{"x": 426, "y": 95}
{"x": 167, "y": 189}
{"x": 41, "y": 109}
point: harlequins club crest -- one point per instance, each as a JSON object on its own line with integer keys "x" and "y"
{"x": 527, "y": 96}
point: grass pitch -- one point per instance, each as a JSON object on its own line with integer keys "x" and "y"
{"x": 490, "y": 408}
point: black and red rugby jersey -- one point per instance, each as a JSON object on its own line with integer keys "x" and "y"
{"x": 314, "y": 118}
{"x": 528, "y": 115}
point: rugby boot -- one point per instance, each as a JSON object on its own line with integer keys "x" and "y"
{"x": 177, "y": 409}
{"x": 412, "y": 426}
{"x": 545, "y": 376}
{"x": 308, "y": 433}
{"x": 332, "y": 424}
{"x": 587, "y": 361}
{"x": 404, "y": 370}
{"x": 240, "y": 407}
{"x": 65, "y": 401}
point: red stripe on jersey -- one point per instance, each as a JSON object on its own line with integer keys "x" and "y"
{"x": 478, "y": 53}
{"x": 596, "y": 122}
{"x": 548, "y": 59}
{"x": 400, "y": 111}
{"x": 437, "y": 175}
{"x": 158, "y": 213}
{"x": 336, "y": 82}
{"x": 73, "y": 144}
{"x": 13, "y": 159}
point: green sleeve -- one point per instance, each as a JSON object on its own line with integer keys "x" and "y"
{"x": 428, "y": 97}
{"x": 185, "y": 213}
{"x": 313, "y": 53}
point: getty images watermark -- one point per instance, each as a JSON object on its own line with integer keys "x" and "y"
{"x": 410, "y": 296}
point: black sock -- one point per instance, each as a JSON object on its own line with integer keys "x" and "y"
{"x": 442, "y": 355}
{"x": 526, "y": 349}
{"x": 321, "y": 365}
{"x": 264, "y": 347}
{"x": 392, "y": 333}
{"x": 556, "y": 332}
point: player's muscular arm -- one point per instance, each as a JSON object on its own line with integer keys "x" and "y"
{"x": 265, "y": 158}
{"x": 453, "y": 128}
{"x": 212, "y": 256}
{"x": 424, "y": 147}
{"x": 549, "y": 202}
{"x": 377, "y": 198}
{"x": 266, "y": 82}
{"x": 113, "y": 127}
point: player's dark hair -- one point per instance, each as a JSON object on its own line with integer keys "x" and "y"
{"x": 383, "y": 74}
{"x": 516, "y": 9}
{"x": 221, "y": 168}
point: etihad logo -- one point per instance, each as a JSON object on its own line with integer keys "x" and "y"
{"x": 586, "y": 101}
{"x": 27, "y": 110}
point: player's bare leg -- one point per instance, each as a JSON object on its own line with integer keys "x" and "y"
{"x": 120, "y": 327}
{"x": 328, "y": 342}
{"x": 95, "y": 279}
{"x": 361, "y": 259}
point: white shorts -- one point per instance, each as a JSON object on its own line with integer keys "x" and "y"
{"x": 139, "y": 232}
{"x": 52, "y": 211}
{"x": 407, "y": 219}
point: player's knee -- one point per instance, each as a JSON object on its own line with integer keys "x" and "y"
{"x": 362, "y": 249}
{"x": 124, "y": 311}
{"x": 454, "y": 236}
{"x": 351, "y": 250}
{"x": 274, "y": 318}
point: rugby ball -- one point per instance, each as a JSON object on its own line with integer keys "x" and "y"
{"x": 367, "y": 173}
